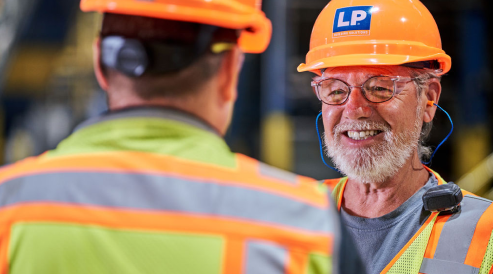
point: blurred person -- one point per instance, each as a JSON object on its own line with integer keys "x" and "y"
{"x": 151, "y": 186}
{"x": 378, "y": 65}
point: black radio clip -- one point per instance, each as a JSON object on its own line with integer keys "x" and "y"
{"x": 444, "y": 198}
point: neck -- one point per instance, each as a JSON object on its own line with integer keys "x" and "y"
{"x": 203, "y": 108}
{"x": 372, "y": 200}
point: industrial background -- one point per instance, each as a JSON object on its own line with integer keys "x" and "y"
{"x": 47, "y": 86}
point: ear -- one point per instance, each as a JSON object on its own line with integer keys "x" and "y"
{"x": 432, "y": 93}
{"x": 229, "y": 74}
{"x": 96, "y": 48}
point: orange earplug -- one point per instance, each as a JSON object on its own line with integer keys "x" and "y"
{"x": 430, "y": 103}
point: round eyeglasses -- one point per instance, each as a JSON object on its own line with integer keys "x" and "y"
{"x": 377, "y": 89}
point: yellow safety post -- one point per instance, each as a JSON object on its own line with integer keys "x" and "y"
{"x": 277, "y": 140}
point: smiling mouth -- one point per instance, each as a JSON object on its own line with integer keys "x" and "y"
{"x": 359, "y": 135}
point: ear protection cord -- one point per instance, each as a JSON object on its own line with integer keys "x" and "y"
{"x": 320, "y": 144}
{"x": 430, "y": 103}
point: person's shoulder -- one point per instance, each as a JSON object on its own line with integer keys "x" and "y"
{"x": 331, "y": 183}
{"x": 269, "y": 171}
{"x": 289, "y": 181}
{"x": 18, "y": 168}
{"x": 476, "y": 209}
{"x": 474, "y": 202}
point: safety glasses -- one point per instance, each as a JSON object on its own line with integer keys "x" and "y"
{"x": 377, "y": 89}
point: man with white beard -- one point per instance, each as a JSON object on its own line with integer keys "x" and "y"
{"x": 378, "y": 65}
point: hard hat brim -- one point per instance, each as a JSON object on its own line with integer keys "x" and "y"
{"x": 374, "y": 60}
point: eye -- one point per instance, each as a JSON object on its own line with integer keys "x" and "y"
{"x": 379, "y": 89}
{"x": 337, "y": 95}
{"x": 337, "y": 92}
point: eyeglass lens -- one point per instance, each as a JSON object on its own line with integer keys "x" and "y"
{"x": 376, "y": 89}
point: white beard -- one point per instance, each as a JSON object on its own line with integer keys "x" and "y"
{"x": 378, "y": 162}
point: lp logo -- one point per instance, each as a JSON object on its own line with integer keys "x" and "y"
{"x": 352, "y": 18}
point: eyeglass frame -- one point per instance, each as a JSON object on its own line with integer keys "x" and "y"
{"x": 395, "y": 79}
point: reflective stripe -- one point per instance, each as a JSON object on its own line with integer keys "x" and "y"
{"x": 265, "y": 257}
{"x": 154, "y": 192}
{"x": 277, "y": 173}
{"x": 434, "y": 266}
{"x": 457, "y": 232}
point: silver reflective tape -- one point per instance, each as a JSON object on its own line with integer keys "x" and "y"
{"x": 435, "y": 266}
{"x": 457, "y": 232}
{"x": 277, "y": 173}
{"x": 165, "y": 193}
{"x": 265, "y": 257}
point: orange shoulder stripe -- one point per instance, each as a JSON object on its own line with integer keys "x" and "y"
{"x": 465, "y": 192}
{"x": 480, "y": 239}
{"x": 340, "y": 195}
{"x": 331, "y": 183}
{"x": 435, "y": 235}
{"x": 247, "y": 173}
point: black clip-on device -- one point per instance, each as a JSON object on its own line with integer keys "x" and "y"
{"x": 444, "y": 199}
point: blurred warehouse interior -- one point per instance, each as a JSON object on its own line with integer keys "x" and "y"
{"x": 48, "y": 87}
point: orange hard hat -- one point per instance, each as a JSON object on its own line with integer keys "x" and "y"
{"x": 374, "y": 32}
{"x": 243, "y": 15}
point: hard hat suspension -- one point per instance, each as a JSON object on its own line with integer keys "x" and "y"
{"x": 432, "y": 64}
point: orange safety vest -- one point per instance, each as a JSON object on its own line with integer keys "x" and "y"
{"x": 445, "y": 244}
{"x": 169, "y": 195}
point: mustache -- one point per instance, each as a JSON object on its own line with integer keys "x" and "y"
{"x": 361, "y": 125}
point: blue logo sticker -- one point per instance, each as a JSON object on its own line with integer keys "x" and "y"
{"x": 352, "y": 21}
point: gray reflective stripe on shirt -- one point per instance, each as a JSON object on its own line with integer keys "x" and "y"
{"x": 265, "y": 257}
{"x": 457, "y": 232}
{"x": 435, "y": 266}
{"x": 155, "y": 192}
{"x": 277, "y": 173}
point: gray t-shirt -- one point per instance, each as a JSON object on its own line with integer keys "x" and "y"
{"x": 378, "y": 240}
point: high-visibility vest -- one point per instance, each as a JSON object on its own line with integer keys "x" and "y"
{"x": 139, "y": 212}
{"x": 445, "y": 244}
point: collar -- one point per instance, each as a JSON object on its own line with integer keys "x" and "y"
{"x": 338, "y": 191}
{"x": 150, "y": 112}
{"x": 150, "y": 130}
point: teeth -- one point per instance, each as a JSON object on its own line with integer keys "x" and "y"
{"x": 361, "y": 135}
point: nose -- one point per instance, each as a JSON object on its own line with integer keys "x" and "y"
{"x": 357, "y": 107}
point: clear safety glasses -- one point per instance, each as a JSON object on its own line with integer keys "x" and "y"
{"x": 377, "y": 89}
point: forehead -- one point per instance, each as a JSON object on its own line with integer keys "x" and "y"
{"x": 362, "y": 72}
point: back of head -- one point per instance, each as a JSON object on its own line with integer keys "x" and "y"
{"x": 171, "y": 48}
{"x": 163, "y": 58}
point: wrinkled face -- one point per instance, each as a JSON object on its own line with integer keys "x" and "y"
{"x": 370, "y": 142}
